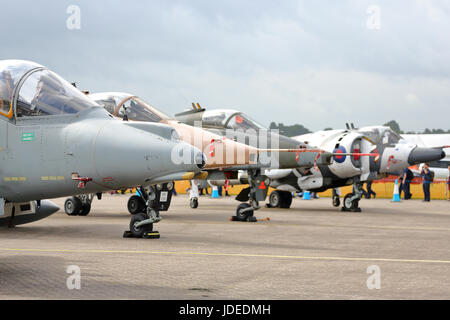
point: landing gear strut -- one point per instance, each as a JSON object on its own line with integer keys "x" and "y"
{"x": 351, "y": 200}
{"x": 257, "y": 191}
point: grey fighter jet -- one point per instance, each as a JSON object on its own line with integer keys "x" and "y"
{"x": 55, "y": 141}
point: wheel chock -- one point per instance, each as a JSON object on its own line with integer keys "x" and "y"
{"x": 148, "y": 235}
{"x": 152, "y": 235}
{"x": 249, "y": 219}
{"x": 128, "y": 234}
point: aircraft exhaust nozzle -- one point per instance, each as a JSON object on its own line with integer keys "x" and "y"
{"x": 422, "y": 155}
{"x": 47, "y": 208}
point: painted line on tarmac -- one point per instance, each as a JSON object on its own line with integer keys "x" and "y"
{"x": 218, "y": 254}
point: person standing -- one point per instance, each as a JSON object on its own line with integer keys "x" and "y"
{"x": 407, "y": 176}
{"x": 370, "y": 192}
{"x": 427, "y": 180}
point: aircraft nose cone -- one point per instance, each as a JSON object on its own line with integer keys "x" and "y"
{"x": 422, "y": 155}
{"x": 188, "y": 156}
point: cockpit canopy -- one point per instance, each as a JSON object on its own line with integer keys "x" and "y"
{"x": 29, "y": 89}
{"x": 120, "y": 104}
{"x": 383, "y": 135}
{"x": 229, "y": 119}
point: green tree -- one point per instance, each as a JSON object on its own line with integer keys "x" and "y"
{"x": 290, "y": 131}
{"x": 394, "y": 126}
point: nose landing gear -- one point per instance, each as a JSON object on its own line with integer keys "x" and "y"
{"x": 145, "y": 208}
{"x": 257, "y": 191}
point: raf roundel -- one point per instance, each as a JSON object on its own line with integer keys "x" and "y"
{"x": 340, "y": 159}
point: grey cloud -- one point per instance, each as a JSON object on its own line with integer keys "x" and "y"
{"x": 310, "y": 62}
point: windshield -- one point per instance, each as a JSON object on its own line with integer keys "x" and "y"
{"x": 228, "y": 119}
{"x": 121, "y": 104}
{"x": 242, "y": 121}
{"x": 11, "y": 71}
{"x": 45, "y": 93}
{"x": 38, "y": 91}
{"x": 390, "y": 137}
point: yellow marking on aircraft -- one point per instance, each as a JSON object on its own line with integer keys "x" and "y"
{"x": 14, "y": 179}
{"x": 219, "y": 254}
{"x": 188, "y": 175}
{"x": 6, "y": 179}
{"x": 44, "y": 178}
{"x": 202, "y": 175}
{"x": 22, "y": 179}
{"x": 59, "y": 178}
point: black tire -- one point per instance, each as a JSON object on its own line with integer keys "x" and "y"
{"x": 286, "y": 199}
{"x": 275, "y": 199}
{"x": 243, "y": 216}
{"x": 193, "y": 203}
{"x": 336, "y": 201}
{"x": 85, "y": 209}
{"x": 72, "y": 206}
{"x": 350, "y": 205}
{"x": 135, "y": 205}
{"x": 139, "y": 231}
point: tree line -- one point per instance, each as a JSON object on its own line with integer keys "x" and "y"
{"x": 298, "y": 129}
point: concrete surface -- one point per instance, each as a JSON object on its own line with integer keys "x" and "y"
{"x": 311, "y": 251}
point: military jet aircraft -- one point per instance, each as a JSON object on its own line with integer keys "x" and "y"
{"x": 55, "y": 141}
{"x": 238, "y": 126}
{"x": 219, "y": 146}
{"x": 396, "y": 154}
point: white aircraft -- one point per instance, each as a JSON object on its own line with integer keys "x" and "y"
{"x": 395, "y": 152}
{"x": 440, "y": 168}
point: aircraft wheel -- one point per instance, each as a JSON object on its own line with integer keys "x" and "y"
{"x": 243, "y": 216}
{"x": 139, "y": 231}
{"x": 135, "y": 205}
{"x": 274, "y": 199}
{"x": 72, "y": 206}
{"x": 350, "y": 205}
{"x": 193, "y": 203}
{"x": 286, "y": 200}
{"x": 85, "y": 209}
{"x": 336, "y": 201}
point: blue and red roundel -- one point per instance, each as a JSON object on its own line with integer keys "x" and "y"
{"x": 340, "y": 159}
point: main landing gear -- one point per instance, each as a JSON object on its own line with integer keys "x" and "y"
{"x": 145, "y": 208}
{"x": 351, "y": 200}
{"x": 280, "y": 199}
{"x": 80, "y": 205}
{"x": 257, "y": 191}
{"x": 335, "y": 198}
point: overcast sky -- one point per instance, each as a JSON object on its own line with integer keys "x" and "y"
{"x": 318, "y": 63}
